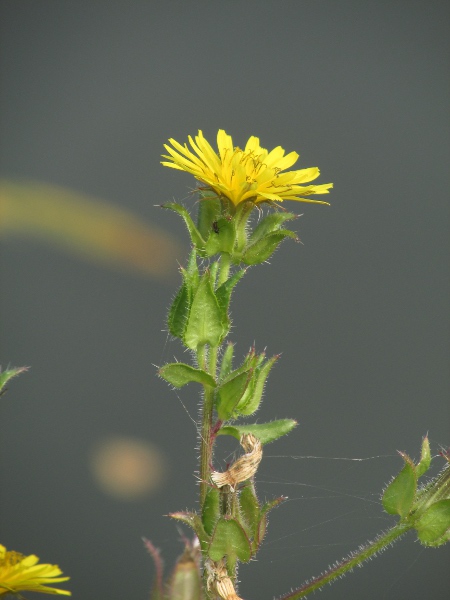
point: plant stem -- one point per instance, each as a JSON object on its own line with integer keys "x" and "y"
{"x": 205, "y": 430}
{"x": 355, "y": 560}
{"x": 209, "y": 365}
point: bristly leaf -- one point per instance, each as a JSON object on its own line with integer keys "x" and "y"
{"x": 262, "y": 525}
{"x": 194, "y": 521}
{"x": 399, "y": 495}
{"x": 227, "y": 362}
{"x": 433, "y": 526}
{"x": 263, "y": 249}
{"x": 249, "y": 508}
{"x": 425, "y": 458}
{"x": 179, "y": 312}
{"x": 204, "y": 324}
{"x": 185, "y": 581}
{"x": 221, "y": 238}
{"x": 209, "y": 211}
{"x": 251, "y": 400}
{"x": 5, "y": 376}
{"x": 223, "y": 295}
{"x": 157, "y": 592}
{"x": 270, "y": 224}
{"x": 230, "y": 393}
{"x": 211, "y": 509}
{"x": 181, "y": 306}
{"x": 180, "y": 374}
{"x": 196, "y": 237}
{"x": 229, "y": 540}
{"x": 265, "y": 432}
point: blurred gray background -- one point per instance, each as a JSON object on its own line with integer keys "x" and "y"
{"x": 89, "y": 93}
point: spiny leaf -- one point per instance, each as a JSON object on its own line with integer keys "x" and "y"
{"x": 270, "y": 224}
{"x": 399, "y": 495}
{"x": 250, "y": 403}
{"x": 425, "y": 458}
{"x": 5, "y": 376}
{"x": 227, "y": 362}
{"x": 211, "y": 509}
{"x": 229, "y": 540}
{"x": 265, "y": 432}
{"x": 265, "y": 247}
{"x": 434, "y": 524}
{"x": 180, "y": 374}
{"x": 204, "y": 324}
{"x": 196, "y": 238}
{"x": 230, "y": 393}
{"x": 194, "y": 521}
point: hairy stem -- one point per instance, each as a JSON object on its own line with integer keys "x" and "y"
{"x": 355, "y": 560}
{"x": 205, "y": 430}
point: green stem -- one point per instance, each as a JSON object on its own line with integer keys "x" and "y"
{"x": 205, "y": 431}
{"x": 355, "y": 560}
{"x": 208, "y": 362}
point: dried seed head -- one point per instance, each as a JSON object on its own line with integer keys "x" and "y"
{"x": 245, "y": 467}
{"x": 220, "y": 582}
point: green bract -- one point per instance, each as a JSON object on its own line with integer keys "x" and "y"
{"x": 427, "y": 508}
{"x": 225, "y": 229}
{"x": 265, "y": 432}
{"x": 5, "y": 376}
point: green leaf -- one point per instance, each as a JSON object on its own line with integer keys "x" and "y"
{"x": 227, "y": 362}
{"x": 5, "y": 376}
{"x": 211, "y": 509}
{"x": 425, "y": 458}
{"x": 265, "y": 432}
{"x": 250, "y": 402}
{"x": 251, "y": 361}
{"x": 209, "y": 211}
{"x": 229, "y": 540}
{"x": 204, "y": 324}
{"x": 399, "y": 495}
{"x": 434, "y": 524}
{"x": 179, "y": 374}
{"x": 265, "y": 247}
{"x": 262, "y": 525}
{"x": 222, "y": 237}
{"x": 249, "y": 508}
{"x": 196, "y": 238}
{"x": 194, "y": 521}
{"x": 191, "y": 274}
{"x": 214, "y": 269}
{"x": 185, "y": 581}
{"x": 230, "y": 393}
{"x": 444, "y": 539}
{"x": 179, "y": 312}
{"x": 223, "y": 294}
{"x": 270, "y": 224}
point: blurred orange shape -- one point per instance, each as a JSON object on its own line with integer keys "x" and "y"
{"x": 128, "y": 468}
{"x": 91, "y": 228}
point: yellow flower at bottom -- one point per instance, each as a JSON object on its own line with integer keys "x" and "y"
{"x": 23, "y": 573}
{"x": 253, "y": 173}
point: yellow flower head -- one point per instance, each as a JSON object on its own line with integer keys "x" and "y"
{"x": 23, "y": 573}
{"x": 250, "y": 174}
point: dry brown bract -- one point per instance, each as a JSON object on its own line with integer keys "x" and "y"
{"x": 220, "y": 582}
{"x": 245, "y": 467}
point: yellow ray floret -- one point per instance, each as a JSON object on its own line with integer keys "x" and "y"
{"x": 23, "y": 573}
{"x": 253, "y": 173}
